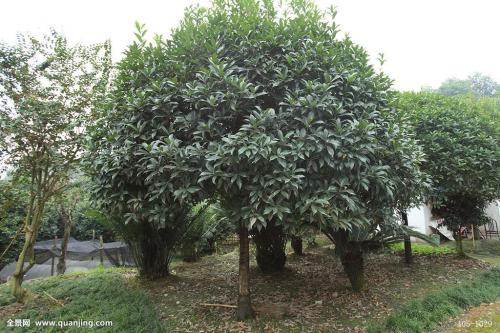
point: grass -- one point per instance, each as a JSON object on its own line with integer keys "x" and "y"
{"x": 99, "y": 295}
{"x": 426, "y": 313}
{"x": 420, "y": 248}
{"x": 482, "y": 319}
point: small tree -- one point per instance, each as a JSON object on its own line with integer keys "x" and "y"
{"x": 462, "y": 148}
{"x": 47, "y": 89}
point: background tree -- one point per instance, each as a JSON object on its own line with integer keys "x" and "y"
{"x": 477, "y": 84}
{"x": 65, "y": 205}
{"x": 47, "y": 89}
{"x": 461, "y": 143}
{"x": 483, "y": 85}
{"x": 454, "y": 86}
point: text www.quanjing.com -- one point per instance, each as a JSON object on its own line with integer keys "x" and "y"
{"x": 73, "y": 323}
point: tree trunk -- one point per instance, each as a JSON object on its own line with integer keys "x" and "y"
{"x": 32, "y": 224}
{"x": 351, "y": 257}
{"x": 270, "y": 248}
{"x": 66, "y": 221}
{"x": 152, "y": 248}
{"x": 458, "y": 243}
{"x": 244, "y": 310}
{"x": 296, "y": 243}
{"x": 407, "y": 241}
{"x": 18, "y": 276}
{"x": 477, "y": 234}
{"x": 156, "y": 255}
{"x": 352, "y": 261}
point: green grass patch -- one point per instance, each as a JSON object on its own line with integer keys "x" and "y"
{"x": 420, "y": 248}
{"x": 95, "y": 296}
{"x": 426, "y": 313}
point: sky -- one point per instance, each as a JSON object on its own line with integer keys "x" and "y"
{"x": 424, "y": 41}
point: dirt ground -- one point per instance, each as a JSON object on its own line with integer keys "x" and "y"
{"x": 313, "y": 286}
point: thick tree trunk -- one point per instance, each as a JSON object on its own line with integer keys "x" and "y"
{"x": 407, "y": 241}
{"x": 156, "y": 256}
{"x": 66, "y": 221}
{"x": 352, "y": 261}
{"x": 152, "y": 248}
{"x": 297, "y": 247}
{"x": 270, "y": 248}
{"x": 244, "y": 310}
{"x": 351, "y": 257}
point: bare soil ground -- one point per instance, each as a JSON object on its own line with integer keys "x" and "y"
{"x": 314, "y": 287}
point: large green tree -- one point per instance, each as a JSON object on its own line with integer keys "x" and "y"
{"x": 461, "y": 141}
{"x": 47, "y": 90}
{"x": 261, "y": 106}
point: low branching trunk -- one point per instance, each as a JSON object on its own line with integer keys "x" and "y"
{"x": 66, "y": 222}
{"x": 296, "y": 243}
{"x": 476, "y": 233}
{"x": 270, "y": 248}
{"x": 244, "y": 310}
{"x": 32, "y": 224}
{"x": 351, "y": 257}
{"x": 151, "y": 247}
{"x": 352, "y": 261}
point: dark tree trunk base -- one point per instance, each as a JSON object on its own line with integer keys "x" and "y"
{"x": 244, "y": 310}
{"x": 353, "y": 267}
{"x": 351, "y": 256}
{"x": 270, "y": 248}
{"x": 296, "y": 243}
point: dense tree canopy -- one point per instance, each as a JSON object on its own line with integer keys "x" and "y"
{"x": 261, "y": 106}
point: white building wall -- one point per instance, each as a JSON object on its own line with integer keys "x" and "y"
{"x": 493, "y": 211}
{"x": 420, "y": 218}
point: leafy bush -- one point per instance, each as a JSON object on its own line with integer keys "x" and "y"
{"x": 208, "y": 226}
